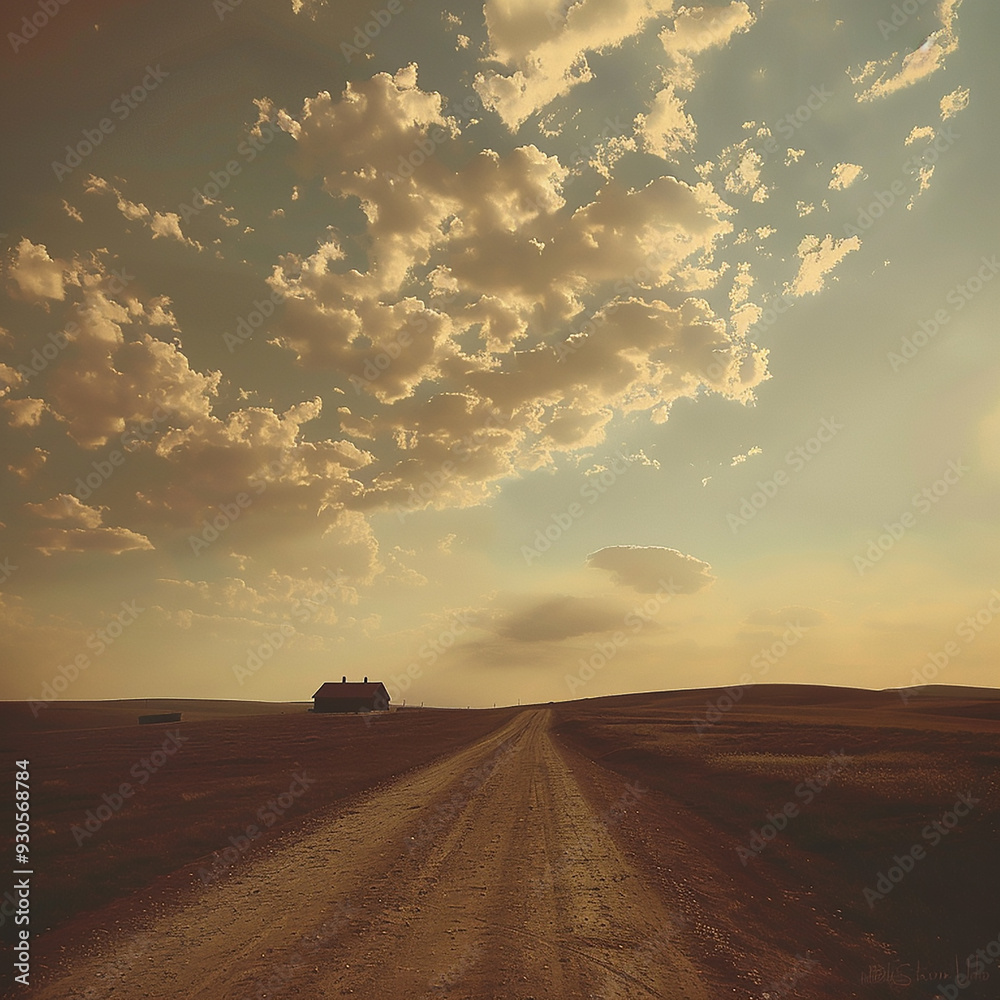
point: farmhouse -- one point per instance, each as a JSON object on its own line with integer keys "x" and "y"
{"x": 344, "y": 697}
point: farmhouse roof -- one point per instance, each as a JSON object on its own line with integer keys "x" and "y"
{"x": 353, "y": 690}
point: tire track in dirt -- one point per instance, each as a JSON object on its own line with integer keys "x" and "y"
{"x": 482, "y": 875}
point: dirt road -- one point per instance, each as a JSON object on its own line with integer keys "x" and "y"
{"x": 483, "y": 875}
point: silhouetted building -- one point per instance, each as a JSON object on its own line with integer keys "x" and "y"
{"x": 353, "y": 697}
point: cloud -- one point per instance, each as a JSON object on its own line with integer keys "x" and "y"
{"x": 919, "y": 132}
{"x": 34, "y": 275}
{"x": 741, "y": 166}
{"x": 161, "y": 224}
{"x": 477, "y": 272}
{"x": 106, "y": 388}
{"x": 546, "y": 53}
{"x": 652, "y": 568}
{"x": 951, "y": 104}
{"x": 26, "y": 468}
{"x": 25, "y": 412}
{"x": 844, "y": 175}
{"x": 916, "y": 65}
{"x": 666, "y": 130}
{"x": 741, "y": 458}
{"x": 819, "y": 257}
{"x": 112, "y": 541}
{"x": 556, "y": 618}
{"x": 67, "y": 508}
{"x": 697, "y": 29}
{"x": 83, "y": 531}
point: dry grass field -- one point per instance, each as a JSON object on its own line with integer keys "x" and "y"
{"x": 800, "y": 842}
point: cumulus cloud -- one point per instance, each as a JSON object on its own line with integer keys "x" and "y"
{"x": 844, "y": 175}
{"x": 951, "y": 104}
{"x": 817, "y": 258}
{"x": 741, "y": 165}
{"x": 650, "y": 569}
{"x": 68, "y": 509}
{"x": 106, "y": 388}
{"x": 165, "y": 225}
{"x": 880, "y": 78}
{"x": 117, "y": 372}
{"x": 667, "y": 130}
{"x": 697, "y": 29}
{"x": 111, "y": 541}
{"x": 25, "y": 412}
{"x": 919, "y": 132}
{"x": 473, "y": 265}
{"x": 26, "y": 468}
{"x": 34, "y": 275}
{"x": 546, "y": 53}
{"x": 80, "y": 529}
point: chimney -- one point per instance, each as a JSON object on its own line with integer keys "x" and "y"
{"x": 343, "y": 680}
{"x": 366, "y": 680}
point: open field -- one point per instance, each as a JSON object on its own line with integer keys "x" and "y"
{"x": 218, "y": 775}
{"x": 667, "y": 845}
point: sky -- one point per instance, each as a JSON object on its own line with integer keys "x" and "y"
{"x": 519, "y": 351}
